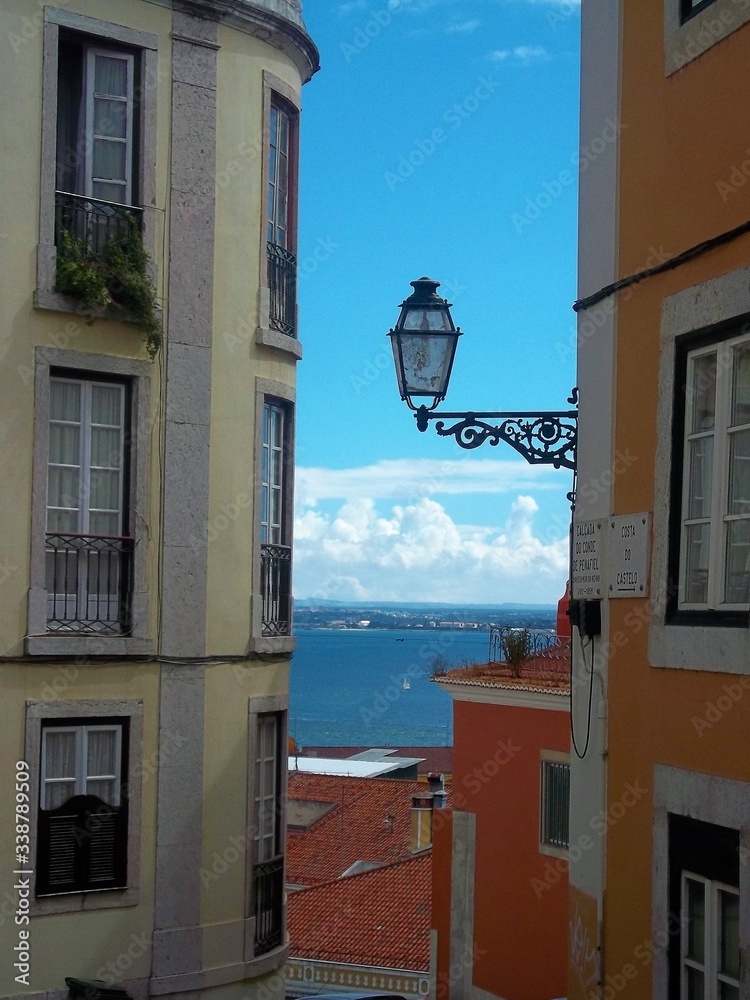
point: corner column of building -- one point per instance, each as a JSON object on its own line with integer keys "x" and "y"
{"x": 596, "y": 338}
{"x": 177, "y": 948}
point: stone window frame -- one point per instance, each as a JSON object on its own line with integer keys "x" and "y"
{"x": 39, "y": 642}
{"x": 273, "y": 87}
{"x": 712, "y": 647}
{"x": 45, "y": 296}
{"x": 710, "y": 799}
{"x": 36, "y": 712}
{"x": 554, "y": 757}
{"x": 687, "y": 39}
{"x": 279, "y": 705}
{"x": 267, "y": 390}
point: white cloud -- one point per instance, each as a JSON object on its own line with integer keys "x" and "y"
{"x": 411, "y": 479}
{"x": 462, "y": 27}
{"x": 521, "y": 53}
{"x": 418, "y": 553}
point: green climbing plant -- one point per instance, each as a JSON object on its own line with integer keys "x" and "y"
{"x": 115, "y": 278}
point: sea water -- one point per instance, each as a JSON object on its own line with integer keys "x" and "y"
{"x": 372, "y": 687}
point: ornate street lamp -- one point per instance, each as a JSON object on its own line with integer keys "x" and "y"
{"x": 424, "y": 345}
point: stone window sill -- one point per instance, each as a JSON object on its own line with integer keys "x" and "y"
{"x": 272, "y": 644}
{"x": 280, "y": 341}
{"x": 70, "y": 644}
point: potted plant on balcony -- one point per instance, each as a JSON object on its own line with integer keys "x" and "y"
{"x": 516, "y": 644}
{"x": 115, "y": 278}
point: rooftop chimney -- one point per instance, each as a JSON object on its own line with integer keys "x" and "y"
{"x": 421, "y": 821}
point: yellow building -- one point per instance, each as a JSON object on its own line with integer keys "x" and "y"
{"x": 149, "y": 346}
{"x": 660, "y": 794}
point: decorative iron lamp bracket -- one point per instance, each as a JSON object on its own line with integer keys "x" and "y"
{"x": 547, "y": 438}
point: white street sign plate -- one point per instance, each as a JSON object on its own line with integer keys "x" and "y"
{"x": 628, "y": 564}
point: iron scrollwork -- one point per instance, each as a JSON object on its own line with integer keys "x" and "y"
{"x": 548, "y": 438}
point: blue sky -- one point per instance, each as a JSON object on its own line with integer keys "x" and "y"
{"x": 440, "y": 138}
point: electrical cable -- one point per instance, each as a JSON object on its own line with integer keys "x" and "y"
{"x": 580, "y": 755}
{"x": 669, "y": 265}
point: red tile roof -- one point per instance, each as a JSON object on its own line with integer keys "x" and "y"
{"x": 379, "y": 918}
{"x": 546, "y": 672}
{"x": 357, "y": 829}
{"x": 435, "y": 758}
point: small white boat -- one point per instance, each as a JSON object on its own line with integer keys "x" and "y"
{"x": 406, "y": 686}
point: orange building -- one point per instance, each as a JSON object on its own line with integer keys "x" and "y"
{"x": 500, "y": 884}
{"x": 660, "y": 899}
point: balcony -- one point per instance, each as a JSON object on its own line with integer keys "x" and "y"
{"x": 275, "y": 588}
{"x": 282, "y": 284}
{"x": 529, "y": 650}
{"x": 268, "y": 878}
{"x": 95, "y": 223}
{"x": 88, "y": 583}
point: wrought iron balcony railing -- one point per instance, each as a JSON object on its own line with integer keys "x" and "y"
{"x": 282, "y": 283}
{"x": 510, "y": 646}
{"x": 268, "y": 878}
{"x": 93, "y": 221}
{"x": 276, "y": 589}
{"x": 88, "y": 583}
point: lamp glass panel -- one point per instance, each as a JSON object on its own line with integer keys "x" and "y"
{"x": 427, "y": 361}
{"x": 426, "y": 318}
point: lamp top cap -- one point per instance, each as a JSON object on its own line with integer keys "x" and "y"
{"x": 425, "y": 290}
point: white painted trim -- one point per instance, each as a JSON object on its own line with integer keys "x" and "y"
{"x": 512, "y": 697}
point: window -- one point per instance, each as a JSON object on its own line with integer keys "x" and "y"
{"x": 714, "y": 503}
{"x": 89, "y": 582}
{"x": 276, "y": 556}
{"x": 82, "y": 822}
{"x": 555, "y": 803}
{"x": 88, "y": 550}
{"x": 280, "y": 217}
{"x": 268, "y": 869}
{"x": 98, "y": 140}
{"x": 690, "y": 7}
{"x": 704, "y": 877}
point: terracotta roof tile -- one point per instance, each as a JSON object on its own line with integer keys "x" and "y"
{"x": 379, "y": 918}
{"x": 547, "y": 672}
{"x": 356, "y": 829}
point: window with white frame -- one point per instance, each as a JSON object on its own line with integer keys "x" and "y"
{"x": 704, "y": 958}
{"x": 88, "y": 551}
{"x": 96, "y": 184}
{"x": 268, "y": 869}
{"x": 555, "y": 804}
{"x": 96, "y": 121}
{"x": 714, "y": 544}
{"x": 276, "y": 553}
{"x": 273, "y": 474}
{"x": 280, "y": 217}
{"x": 710, "y": 940}
{"x": 82, "y": 820}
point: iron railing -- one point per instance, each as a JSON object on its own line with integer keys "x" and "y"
{"x": 268, "y": 879}
{"x": 282, "y": 283}
{"x": 555, "y": 803}
{"x": 509, "y": 644}
{"x": 94, "y": 222}
{"x": 88, "y": 583}
{"x": 275, "y": 588}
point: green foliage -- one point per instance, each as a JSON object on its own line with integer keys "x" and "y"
{"x": 516, "y": 646}
{"x": 116, "y": 278}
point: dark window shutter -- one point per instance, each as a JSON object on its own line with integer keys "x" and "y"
{"x": 81, "y": 845}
